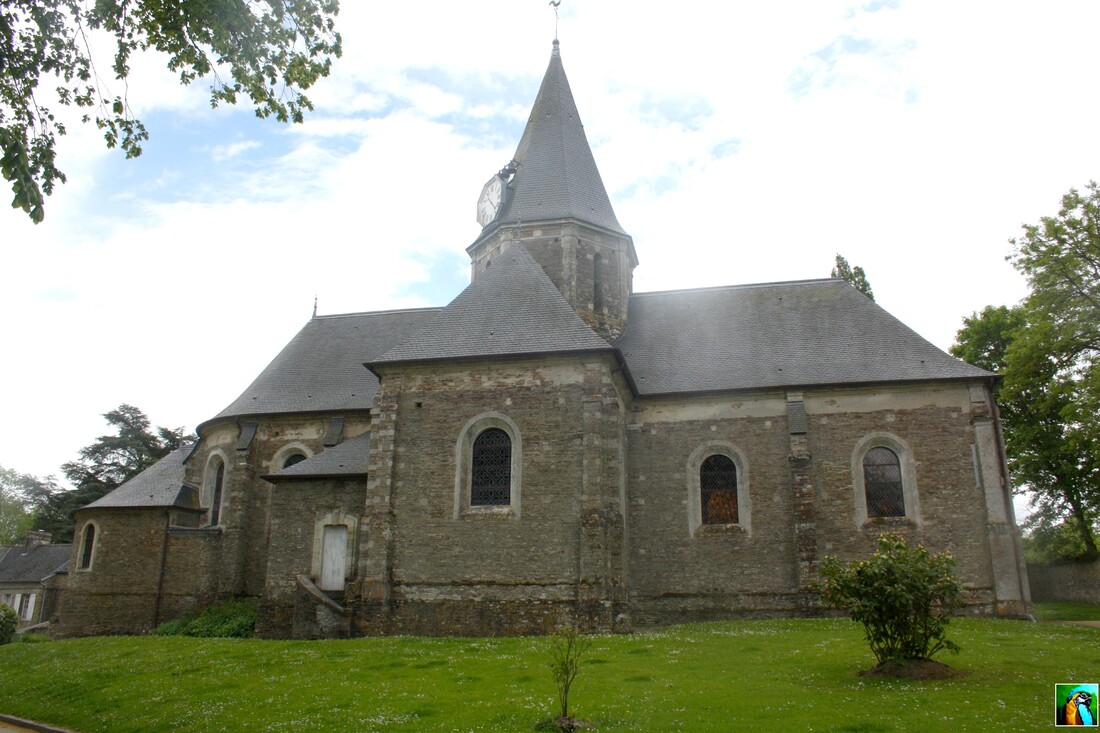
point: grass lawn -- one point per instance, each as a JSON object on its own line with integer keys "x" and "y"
{"x": 751, "y": 675}
{"x": 1065, "y": 611}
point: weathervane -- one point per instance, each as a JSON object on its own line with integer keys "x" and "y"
{"x": 554, "y": 4}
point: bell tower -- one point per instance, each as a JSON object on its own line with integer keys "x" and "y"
{"x": 550, "y": 196}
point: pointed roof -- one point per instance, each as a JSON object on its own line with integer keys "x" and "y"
{"x": 512, "y": 309}
{"x": 557, "y": 176}
{"x": 160, "y": 485}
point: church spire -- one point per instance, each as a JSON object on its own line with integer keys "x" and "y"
{"x": 556, "y": 176}
{"x": 551, "y": 198}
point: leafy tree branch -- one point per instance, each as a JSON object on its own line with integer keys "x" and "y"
{"x": 271, "y": 50}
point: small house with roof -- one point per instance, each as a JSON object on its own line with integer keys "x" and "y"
{"x": 31, "y": 577}
{"x": 551, "y": 447}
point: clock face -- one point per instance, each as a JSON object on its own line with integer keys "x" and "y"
{"x": 488, "y": 204}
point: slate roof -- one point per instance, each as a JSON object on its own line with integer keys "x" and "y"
{"x": 557, "y": 176}
{"x": 803, "y": 333}
{"x": 20, "y": 565}
{"x": 160, "y": 485}
{"x": 321, "y": 369}
{"x": 511, "y": 309}
{"x": 346, "y": 459}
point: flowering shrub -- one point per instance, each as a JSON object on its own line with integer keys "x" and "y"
{"x": 902, "y": 595}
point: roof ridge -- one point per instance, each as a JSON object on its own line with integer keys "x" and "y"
{"x": 742, "y": 286}
{"x": 391, "y": 311}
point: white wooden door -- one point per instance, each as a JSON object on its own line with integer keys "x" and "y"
{"x": 334, "y": 553}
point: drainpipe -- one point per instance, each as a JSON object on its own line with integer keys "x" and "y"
{"x": 163, "y": 563}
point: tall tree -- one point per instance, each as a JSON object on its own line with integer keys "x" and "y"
{"x": 268, "y": 50}
{"x": 855, "y": 276}
{"x": 1043, "y": 447}
{"x": 17, "y": 498}
{"x": 1048, "y": 349}
{"x": 105, "y": 465}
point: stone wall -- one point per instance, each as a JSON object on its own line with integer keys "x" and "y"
{"x": 433, "y": 564}
{"x": 603, "y": 528}
{"x": 803, "y": 504}
{"x": 116, "y": 594}
{"x": 246, "y": 495}
{"x": 935, "y": 425}
{"x": 680, "y": 570}
{"x": 1078, "y": 582}
{"x": 299, "y": 511}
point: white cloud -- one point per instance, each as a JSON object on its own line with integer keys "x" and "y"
{"x": 220, "y": 153}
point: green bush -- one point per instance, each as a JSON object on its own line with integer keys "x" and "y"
{"x": 9, "y": 619}
{"x": 175, "y": 627}
{"x": 231, "y": 619}
{"x": 902, "y": 595}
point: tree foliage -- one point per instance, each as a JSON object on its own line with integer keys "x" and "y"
{"x": 1048, "y": 349}
{"x": 854, "y": 276}
{"x": 19, "y": 495}
{"x": 105, "y": 465}
{"x": 269, "y": 51}
{"x": 902, "y": 595}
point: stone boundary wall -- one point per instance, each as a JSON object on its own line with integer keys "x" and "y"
{"x": 1078, "y": 582}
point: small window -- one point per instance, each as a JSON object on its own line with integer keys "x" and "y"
{"x": 597, "y": 284}
{"x": 213, "y": 488}
{"x": 491, "y": 469}
{"x": 294, "y": 459}
{"x": 718, "y": 486}
{"x": 882, "y": 483}
{"x": 26, "y": 606}
{"x": 87, "y": 547}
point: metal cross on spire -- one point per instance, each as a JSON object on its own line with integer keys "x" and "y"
{"x": 554, "y": 4}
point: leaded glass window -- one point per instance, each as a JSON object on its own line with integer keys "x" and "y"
{"x": 718, "y": 488}
{"x": 491, "y": 469}
{"x": 882, "y": 482}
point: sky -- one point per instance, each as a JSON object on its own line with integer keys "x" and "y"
{"x": 739, "y": 142}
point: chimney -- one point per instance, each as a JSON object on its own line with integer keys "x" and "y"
{"x": 37, "y": 537}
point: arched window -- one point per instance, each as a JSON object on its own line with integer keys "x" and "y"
{"x": 293, "y": 459}
{"x": 491, "y": 469}
{"x": 213, "y": 488}
{"x": 882, "y": 483}
{"x": 488, "y": 467}
{"x": 718, "y": 488}
{"x": 718, "y": 499}
{"x": 87, "y": 547}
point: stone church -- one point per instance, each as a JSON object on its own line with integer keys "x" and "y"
{"x": 552, "y": 447}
